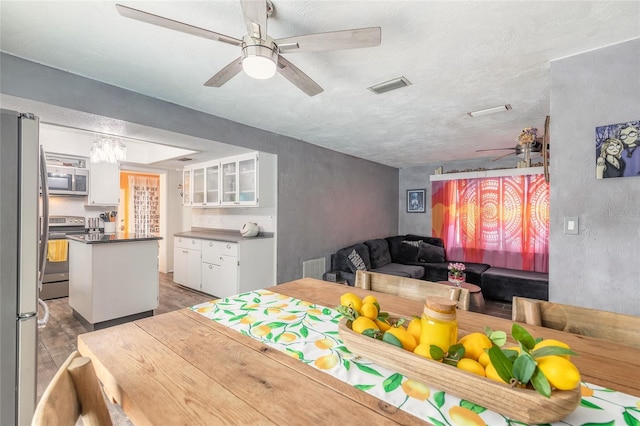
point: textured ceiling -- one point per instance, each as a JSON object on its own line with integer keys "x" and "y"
{"x": 459, "y": 57}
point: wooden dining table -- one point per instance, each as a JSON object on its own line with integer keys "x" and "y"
{"x": 183, "y": 368}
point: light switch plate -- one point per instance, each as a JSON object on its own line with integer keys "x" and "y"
{"x": 571, "y": 225}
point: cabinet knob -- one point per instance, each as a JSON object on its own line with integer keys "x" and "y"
{"x": 210, "y": 244}
{"x": 229, "y": 246}
{"x": 184, "y": 251}
{"x": 210, "y": 266}
{"x": 221, "y": 258}
{"x": 193, "y": 241}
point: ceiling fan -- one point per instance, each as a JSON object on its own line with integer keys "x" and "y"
{"x": 528, "y": 143}
{"x": 261, "y": 56}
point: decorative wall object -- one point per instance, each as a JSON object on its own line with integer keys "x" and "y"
{"x": 501, "y": 221}
{"x": 415, "y": 201}
{"x": 617, "y": 150}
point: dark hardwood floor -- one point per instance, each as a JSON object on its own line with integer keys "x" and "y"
{"x": 58, "y": 339}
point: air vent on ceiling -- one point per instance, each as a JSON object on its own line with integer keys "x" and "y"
{"x": 185, "y": 159}
{"x": 390, "y": 85}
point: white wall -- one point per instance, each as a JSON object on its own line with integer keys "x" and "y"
{"x": 597, "y": 268}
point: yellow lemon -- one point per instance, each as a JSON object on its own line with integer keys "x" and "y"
{"x": 326, "y": 362}
{"x": 585, "y": 391}
{"x": 369, "y": 310}
{"x": 552, "y": 342}
{"x": 261, "y": 330}
{"x": 416, "y": 390}
{"x": 287, "y": 337}
{"x": 415, "y": 328}
{"x": 361, "y": 324}
{"x": 350, "y": 299}
{"x": 484, "y": 359}
{"x": 474, "y": 345}
{"x": 464, "y": 417}
{"x": 424, "y": 349}
{"x": 324, "y": 343}
{"x": 560, "y": 372}
{"x": 383, "y": 325}
{"x": 491, "y": 373}
{"x": 472, "y": 366}
{"x": 369, "y": 299}
{"x": 407, "y": 340}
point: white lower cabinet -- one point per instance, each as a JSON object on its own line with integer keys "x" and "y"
{"x": 186, "y": 262}
{"x": 226, "y": 268}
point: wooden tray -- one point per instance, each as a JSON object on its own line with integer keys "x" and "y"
{"x": 523, "y": 405}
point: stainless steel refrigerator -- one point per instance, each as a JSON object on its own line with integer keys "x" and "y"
{"x": 22, "y": 245}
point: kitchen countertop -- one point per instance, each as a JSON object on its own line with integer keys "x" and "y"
{"x": 227, "y": 235}
{"x": 120, "y": 237}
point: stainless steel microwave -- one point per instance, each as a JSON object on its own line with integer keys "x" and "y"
{"x": 63, "y": 180}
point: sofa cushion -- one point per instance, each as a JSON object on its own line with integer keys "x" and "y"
{"x": 341, "y": 260}
{"x": 503, "y": 284}
{"x": 409, "y": 271}
{"x": 402, "y": 252}
{"x": 430, "y": 253}
{"x": 378, "y": 252}
{"x": 430, "y": 240}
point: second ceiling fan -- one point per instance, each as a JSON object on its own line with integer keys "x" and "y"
{"x": 261, "y": 56}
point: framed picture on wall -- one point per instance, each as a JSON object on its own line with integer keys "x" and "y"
{"x": 617, "y": 153}
{"x": 415, "y": 200}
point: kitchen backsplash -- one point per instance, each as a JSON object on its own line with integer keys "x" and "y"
{"x": 234, "y": 218}
{"x": 73, "y": 206}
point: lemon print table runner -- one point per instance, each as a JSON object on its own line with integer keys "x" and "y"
{"x": 309, "y": 332}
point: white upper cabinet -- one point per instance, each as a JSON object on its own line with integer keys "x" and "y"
{"x": 104, "y": 184}
{"x": 231, "y": 182}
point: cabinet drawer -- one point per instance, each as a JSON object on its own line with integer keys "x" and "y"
{"x": 188, "y": 243}
{"x": 212, "y": 250}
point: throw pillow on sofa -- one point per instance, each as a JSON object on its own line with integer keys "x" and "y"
{"x": 407, "y": 252}
{"x": 355, "y": 262}
{"x": 429, "y": 253}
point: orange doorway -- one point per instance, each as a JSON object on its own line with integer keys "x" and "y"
{"x": 139, "y": 203}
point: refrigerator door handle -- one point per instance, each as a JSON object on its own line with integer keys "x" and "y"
{"x": 44, "y": 236}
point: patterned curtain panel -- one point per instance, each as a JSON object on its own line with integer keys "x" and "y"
{"x": 143, "y": 209}
{"x": 501, "y": 221}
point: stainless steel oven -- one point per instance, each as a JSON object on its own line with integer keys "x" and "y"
{"x": 55, "y": 281}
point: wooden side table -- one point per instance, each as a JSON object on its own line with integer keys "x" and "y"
{"x": 476, "y": 300}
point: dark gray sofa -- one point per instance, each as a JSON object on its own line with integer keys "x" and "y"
{"x": 415, "y": 256}
{"x": 395, "y": 256}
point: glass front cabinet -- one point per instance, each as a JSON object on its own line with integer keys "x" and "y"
{"x": 240, "y": 180}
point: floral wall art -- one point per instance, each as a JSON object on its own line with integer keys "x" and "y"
{"x": 618, "y": 150}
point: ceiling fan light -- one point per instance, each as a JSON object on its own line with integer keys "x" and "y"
{"x": 259, "y": 61}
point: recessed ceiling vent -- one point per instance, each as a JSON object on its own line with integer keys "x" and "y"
{"x": 390, "y": 85}
{"x": 185, "y": 159}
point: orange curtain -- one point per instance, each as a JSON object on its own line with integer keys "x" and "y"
{"x": 139, "y": 209}
{"x": 501, "y": 221}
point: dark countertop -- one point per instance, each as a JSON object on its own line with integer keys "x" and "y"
{"x": 226, "y": 235}
{"x": 120, "y": 237}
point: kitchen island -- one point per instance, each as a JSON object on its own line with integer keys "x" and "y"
{"x": 113, "y": 278}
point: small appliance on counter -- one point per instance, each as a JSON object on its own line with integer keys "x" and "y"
{"x": 249, "y": 229}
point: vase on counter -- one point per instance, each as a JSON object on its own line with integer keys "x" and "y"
{"x": 457, "y": 278}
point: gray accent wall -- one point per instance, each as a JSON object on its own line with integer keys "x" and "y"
{"x": 326, "y": 200}
{"x": 597, "y": 268}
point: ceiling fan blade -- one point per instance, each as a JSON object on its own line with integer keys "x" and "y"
{"x": 160, "y": 21}
{"x": 335, "y": 40}
{"x": 255, "y": 17}
{"x": 501, "y": 157}
{"x": 297, "y": 77}
{"x": 496, "y": 149}
{"x": 225, "y": 74}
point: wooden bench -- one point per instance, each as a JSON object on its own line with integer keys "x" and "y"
{"x": 411, "y": 288}
{"x": 619, "y": 328}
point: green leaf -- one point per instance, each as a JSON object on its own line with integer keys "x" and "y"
{"x": 498, "y": 338}
{"x": 347, "y": 364}
{"x": 436, "y": 422}
{"x": 436, "y": 353}
{"x": 551, "y": 350}
{"x": 276, "y": 324}
{"x": 367, "y": 369}
{"x": 540, "y": 383}
{"x": 438, "y": 397}
{"x": 313, "y": 317}
{"x": 473, "y": 407}
{"x": 237, "y": 317}
{"x": 377, "y": 305}
{"x": 487, "y": 330}
{"x": 611, "y": 423}
{"x": 392, "y": 382}
{"x": 370, "y": 332}
{"x": 391, "y": 339}
{"x": 382, "y": 316}
{"x": 364, "y": 387}
{"x": 523, "y": 368}
{"x": 589, "y": 404}
{"x": 304, "y": 331}
{"x": 326, "y": 311}
{"x": 629, "y": 419}
{"x": 511, "y": 354}
{"x": 456, "y": 351}
{"x": 298, "y": 353}
{"x": 521, "y": 335}
{"x": 343, "y": 349}
{"x": 503, "y": 365}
